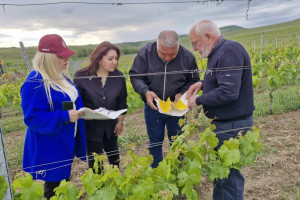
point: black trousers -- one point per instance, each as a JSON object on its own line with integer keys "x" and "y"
{"x": 109, "y": 145}
{"x": 49, "y": 188}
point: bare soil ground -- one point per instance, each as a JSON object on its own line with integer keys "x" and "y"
{"x": 275, "y": 175}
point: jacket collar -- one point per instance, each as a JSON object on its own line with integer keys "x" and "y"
{"x": 220, "y": 41}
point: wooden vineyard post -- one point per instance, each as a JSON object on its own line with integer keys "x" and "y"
{"x": 261, "y": 45}
{"x": 29, "y": 67}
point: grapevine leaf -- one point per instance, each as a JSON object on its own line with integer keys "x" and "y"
{"x": 3, "y": 187}
{"x": 173, "y": 188}
{"x": 28, "y": 188}
{"x": 108, "y": 192}
{"x": 256, "y": 146}
{"x": 229, "y": 156}
{"x": 143, "y": 190}
{"x": 212, "y": 140}
{"x": 232, "y": 143}
{"x": 217, "y": 171}
{"x": 247, "y": 159}
{"x": 89, "y": 181}
{"x": 66, "y": 191}
{"x": 245, "y": 146}
{"x": 252, "y": 136}
{"x": 34, "y": 192}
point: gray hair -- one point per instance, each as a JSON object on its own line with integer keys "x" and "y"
{"x": 168, "y": 39}
{"x": 204, "y": 27}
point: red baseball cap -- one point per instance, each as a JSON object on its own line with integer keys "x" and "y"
{"x": 54, "y": 44}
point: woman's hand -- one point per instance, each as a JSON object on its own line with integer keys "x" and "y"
{"x": 89, "y": 110}
{"x": 118, "y": 129}
{"x": 74, "y": 115}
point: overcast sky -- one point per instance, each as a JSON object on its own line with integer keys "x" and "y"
{"x": 81, "y": 24}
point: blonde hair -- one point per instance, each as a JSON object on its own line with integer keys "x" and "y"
{"x": 53, "y": 76}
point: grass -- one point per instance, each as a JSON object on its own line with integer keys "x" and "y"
{"x": 12, "y": 123}
{"x": 132, "y": 135}
{"x": 15, "y": 155}
{"x": 288, "y": 193}
{"x": 285, "y": 99}
{"x": 298, "y": 192}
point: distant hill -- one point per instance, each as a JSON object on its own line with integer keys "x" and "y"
{"x": 231, "y": 28}
{"x": 131, "y": 45}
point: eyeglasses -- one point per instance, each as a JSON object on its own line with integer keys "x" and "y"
{"x": 194, "y": 44}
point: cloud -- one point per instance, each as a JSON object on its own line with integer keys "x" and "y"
{"x": 80, "y": 23}
{"x": 5, "y": 35}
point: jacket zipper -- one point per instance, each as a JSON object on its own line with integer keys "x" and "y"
{"x": 165, "y": 78}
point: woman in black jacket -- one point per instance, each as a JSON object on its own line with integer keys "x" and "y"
{"x": 103, "y": 91}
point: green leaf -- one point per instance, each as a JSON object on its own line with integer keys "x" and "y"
{"x": 66, "y": 191}
{"x": 229, "y": 157}
{"x": 252, "y": 136}
{"x": 247, "y": 159}
{"x": 3, "y": 187}
{"x": 217, "y": 171}
{"x": 90, "y": 182}
{"x": 34, "y": 192}
{"x": 173, "y": 188}
{"x": 246, "y": 147}
{"x": 108, "y": 192}
{"x": 192, "y": 175}
{"x": 143, "y": 190}
{"x": 232, "y": 143}
{"x": 189, "y": 191}
{"x": 28, "y": 188}
{"x": 212, "y": 140}
{"x": 257, "y": 146}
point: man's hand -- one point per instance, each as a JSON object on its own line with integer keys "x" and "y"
{"x": 74, "y": 115}
{"x": 177, "y": 97}
{"x": 192, "y": 101}
{"x": 150, "y": 96}
{"x": 193, "y": 90}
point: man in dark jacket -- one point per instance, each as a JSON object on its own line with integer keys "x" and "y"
{"x": 227, "y": 94}
{"x": 174, "y": 72}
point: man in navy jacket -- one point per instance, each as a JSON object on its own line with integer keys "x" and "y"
{"x": 161, "y": 60}
{"x": 227, "y": 94}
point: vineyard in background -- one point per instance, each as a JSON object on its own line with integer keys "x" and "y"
{"x": 278, "y": 67}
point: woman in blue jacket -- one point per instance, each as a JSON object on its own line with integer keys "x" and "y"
{"x": 54, "y": 135}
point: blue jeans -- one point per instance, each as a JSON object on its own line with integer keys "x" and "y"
{"x": 155, "y": 124}
{"x": 231, "y": 188}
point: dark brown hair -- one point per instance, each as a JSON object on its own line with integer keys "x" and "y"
{"x": 97, "y": 55}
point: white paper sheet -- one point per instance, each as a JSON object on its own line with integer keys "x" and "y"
{"x": 174, "y": 111}
{"x": 101, "y": 113}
